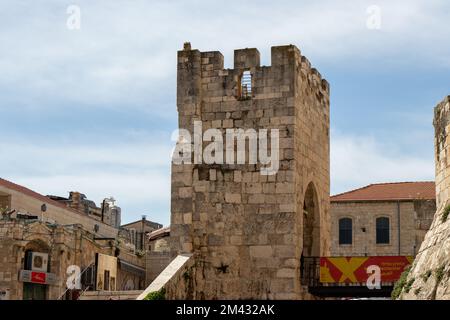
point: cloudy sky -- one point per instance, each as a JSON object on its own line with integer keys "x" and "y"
{"x": 93, "y": 109}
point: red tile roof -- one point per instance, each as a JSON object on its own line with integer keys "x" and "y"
{"x": 389, "y": 192}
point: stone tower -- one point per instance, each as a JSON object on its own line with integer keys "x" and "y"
{"x": 429, "y": 277}
{"x": 247, "y": 230}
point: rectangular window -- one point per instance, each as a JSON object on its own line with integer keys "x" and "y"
{"x": 106, "y": 280}
{"x": 133, "y": 236}
{"x": 139, "y": 239}
{"x": 345, "y": 231}
{"x": 382, "y": 225}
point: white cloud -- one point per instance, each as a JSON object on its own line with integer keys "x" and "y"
{"x": 126, "y": 53}
{"x": 125, "y": 56}
{"x": 136, "y": 174}
{"x": 359, "y": 161}
{"x": 68, "y": 157}
{"x": 137, "y": 193}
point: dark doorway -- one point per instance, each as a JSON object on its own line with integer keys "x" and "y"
{"x": 34, "y": 291}
{"x": 311, "y": 223}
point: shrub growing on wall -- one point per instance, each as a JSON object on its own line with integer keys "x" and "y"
{"x": 156, "y": 295}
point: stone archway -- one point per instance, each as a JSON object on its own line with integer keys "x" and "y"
{"x": 311, "y": 223}
{"x": 37, "y": 245}
{"x": 32, "y": 290}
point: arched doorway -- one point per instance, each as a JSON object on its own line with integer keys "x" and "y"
{"x": 311, "y": 223}
{"x": 309, "y": 261}
{"x": 37, "y": 259}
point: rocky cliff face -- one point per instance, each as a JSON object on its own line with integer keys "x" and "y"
{"x": 429, "y": 276}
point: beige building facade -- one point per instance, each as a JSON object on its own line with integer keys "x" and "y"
{"x": 138, "y": 231}
{"x": 44, "y": 243}
{"x": 27, "y": 202}
{"x": 382, "y": 219}
{"x": 107, "y": 213}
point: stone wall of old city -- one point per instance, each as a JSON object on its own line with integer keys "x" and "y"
{"x": 429, "y": 277}
{"x": 8, "y": 263}
{"x": 415, "y": 219}
{"x": 66, "y": 245}
{"x": 156, "y": 262}
{"x": 246, "y": 229}
{"x": 160, "y": 244}
{"x": 158, "y": 257}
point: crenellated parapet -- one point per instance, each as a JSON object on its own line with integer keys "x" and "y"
{"x": 208, "y": 81}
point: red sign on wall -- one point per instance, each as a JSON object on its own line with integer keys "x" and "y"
{"x": 354, "y": 269}
{"x": 38, "y": 277}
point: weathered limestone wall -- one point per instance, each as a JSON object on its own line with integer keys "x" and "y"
{"x": 246, "y": 229}
{"x": 155, "y": 263}
{"x": 65, "y": 245}
{"x": 415, "y": 219}
{"x": 160, "y": 245}
{"x": 312, "y": 154}
{"x": 429, "y": 277}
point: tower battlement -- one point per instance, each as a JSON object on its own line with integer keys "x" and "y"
{"x": 207, "y": 73}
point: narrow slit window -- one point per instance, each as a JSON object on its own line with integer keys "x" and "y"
{"x": 246, "y": 85}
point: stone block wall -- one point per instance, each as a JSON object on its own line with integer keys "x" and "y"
{"x": 246, "y": 229}
{"x": 66, "y": 245}
{"x": 160, "y": 245}
{"x": 61, "y": 244}
{"x": 155, "y": 263}
{"x": 429, "y": 277}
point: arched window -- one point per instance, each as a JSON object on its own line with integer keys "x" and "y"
{"x": 345, "y": 231}
{"x": 382, "y": 230}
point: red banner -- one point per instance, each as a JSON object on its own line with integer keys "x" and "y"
{"x": 354, "y": 269}
{"x": 38, "y": 277}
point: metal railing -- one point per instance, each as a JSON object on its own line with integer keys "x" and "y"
{"x": 310, "y": 271}
{"x": 83, "y": 292}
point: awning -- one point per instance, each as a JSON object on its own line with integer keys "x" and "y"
{"x": 129, "y": 267}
